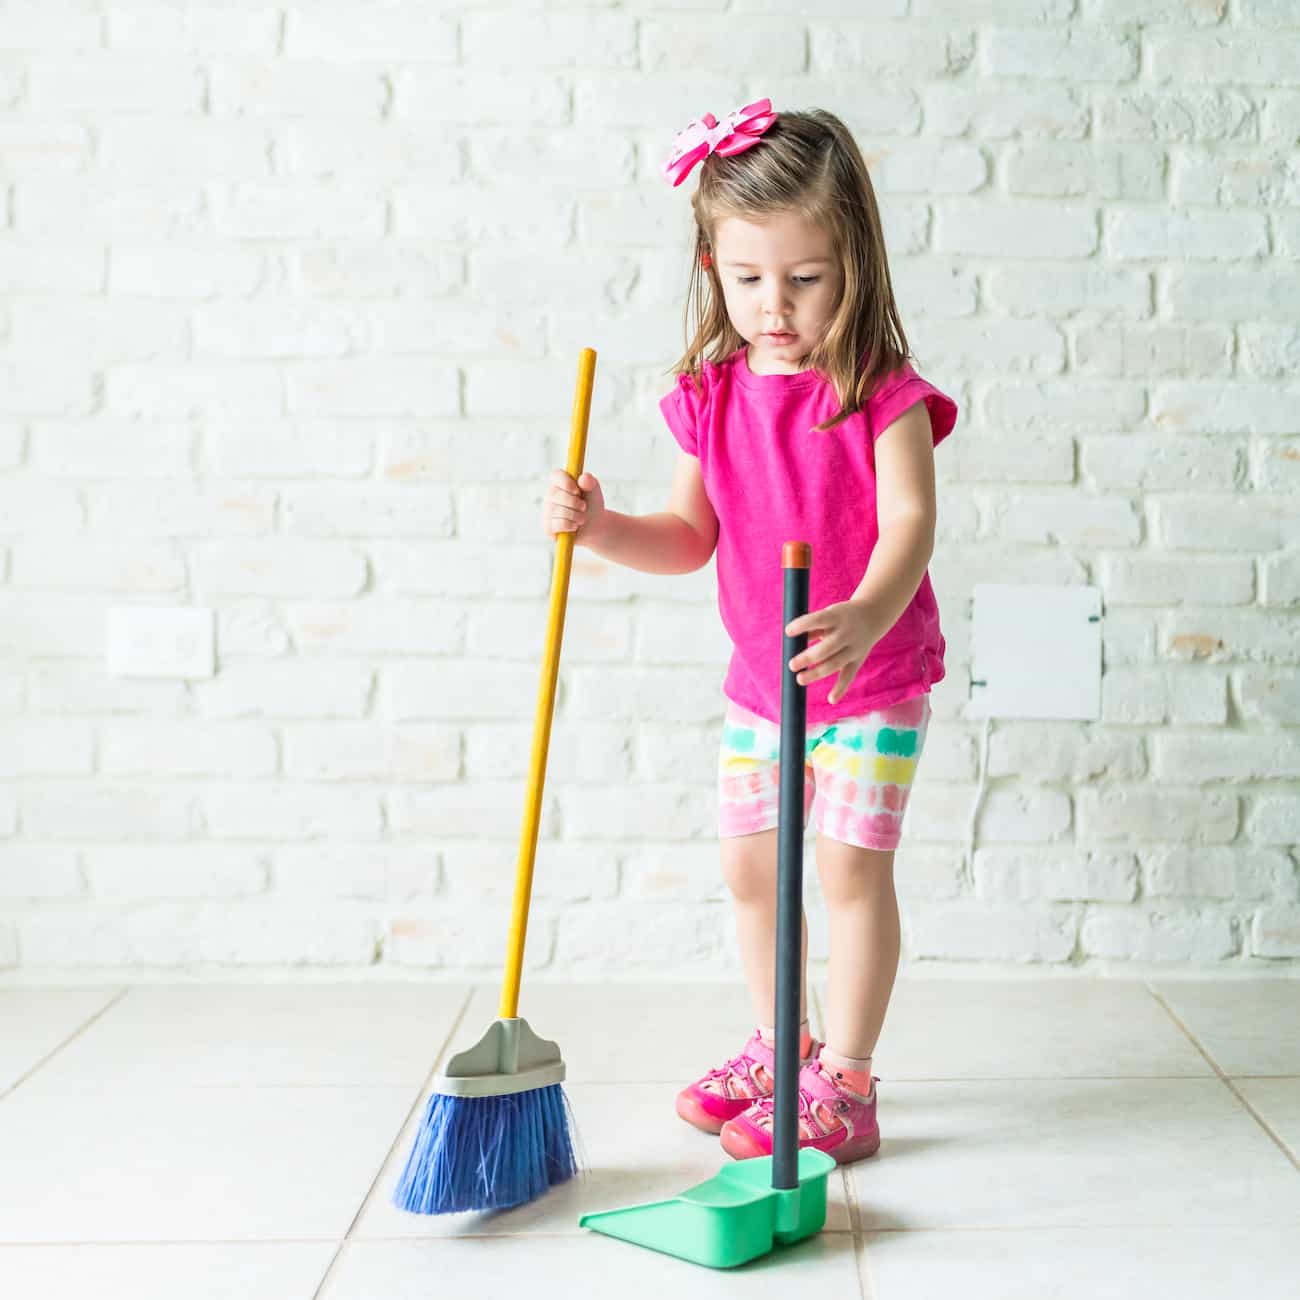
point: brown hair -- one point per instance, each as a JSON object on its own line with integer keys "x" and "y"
{"x": 806, "y": 162}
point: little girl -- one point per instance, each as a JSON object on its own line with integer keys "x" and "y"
{"x": 806, "y": 422}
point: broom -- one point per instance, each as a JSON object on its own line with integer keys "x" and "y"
{"x": 495, "y": 1132}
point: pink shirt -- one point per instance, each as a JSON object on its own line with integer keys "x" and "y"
{"x": 771, "y": 480}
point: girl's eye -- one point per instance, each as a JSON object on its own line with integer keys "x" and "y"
{"x": 798, "y": 279}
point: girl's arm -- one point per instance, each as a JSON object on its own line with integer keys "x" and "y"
{"x": 905, "y": 496}
{"x": 680, "y": 539}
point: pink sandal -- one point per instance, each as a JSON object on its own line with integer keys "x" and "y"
{"x": 730, "y": 1090}
{"x": 831, "y": 1118}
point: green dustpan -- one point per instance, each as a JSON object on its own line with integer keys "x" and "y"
{"x": 753, "y": 1205}
{"x": 729, "y": 1219}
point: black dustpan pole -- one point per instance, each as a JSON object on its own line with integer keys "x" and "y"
{"x": 796, "y": 560}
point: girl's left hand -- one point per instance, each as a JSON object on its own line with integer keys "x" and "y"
{"x": 847, "y": 630}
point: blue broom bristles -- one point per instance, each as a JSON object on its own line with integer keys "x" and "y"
{"x": 487, "y": 1153}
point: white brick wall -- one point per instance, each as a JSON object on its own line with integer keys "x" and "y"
{"x": 291, "y": 298}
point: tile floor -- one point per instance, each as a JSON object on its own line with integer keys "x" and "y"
{"x": 1053, "y": 1138}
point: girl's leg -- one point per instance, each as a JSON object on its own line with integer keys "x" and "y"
{"x": 865, "y": 941}
{"x": 863, "y": 960}
{"x": 749, "y": 868}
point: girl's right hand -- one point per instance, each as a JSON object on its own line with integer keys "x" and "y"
{"x": 572, "y": 505}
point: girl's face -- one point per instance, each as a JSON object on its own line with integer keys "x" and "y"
{"x": 780, "y": 283}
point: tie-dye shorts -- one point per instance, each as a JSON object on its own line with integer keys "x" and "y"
{"x": 858, "y": 770}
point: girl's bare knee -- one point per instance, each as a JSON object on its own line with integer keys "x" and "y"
{"x": 849, "y": 874}
{"x": 749, "y": 866}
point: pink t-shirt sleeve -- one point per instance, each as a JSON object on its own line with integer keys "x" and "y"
{"x": 898, "y": 395}
{"x": 681, "y": 408}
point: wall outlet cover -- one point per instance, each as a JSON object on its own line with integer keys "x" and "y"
{"x": 161, "y": 641}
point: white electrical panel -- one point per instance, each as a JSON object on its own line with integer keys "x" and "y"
{"x": 1035, "y": 652}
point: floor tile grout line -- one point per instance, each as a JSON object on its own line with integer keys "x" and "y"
{"x": 866, "y": 1282}
{"x": 851, "y": 1201}
{"x": 62, "y": 1243}
{"x": 1170, "y": 1224}
{"x": 1225, "y": 1079}
{"x": 610, "y": 1082}
{"x": 576, "y": 1081}
{"x": 397, "y": 1137}
{"x": 509, "y": 1235}
{"x": 71, "y": 1038}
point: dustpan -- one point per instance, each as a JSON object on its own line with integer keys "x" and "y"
{"x": 731, "y": 1218}
{"x": 751, "y": 1206}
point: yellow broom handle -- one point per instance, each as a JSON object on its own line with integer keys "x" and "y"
{"x": 545, "y": 701}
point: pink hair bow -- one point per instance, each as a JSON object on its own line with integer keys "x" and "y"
{"x": 736, "y": 132}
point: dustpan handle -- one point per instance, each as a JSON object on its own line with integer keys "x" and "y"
{"x": 546, "y": 700}
{"x": 796, "y": 560}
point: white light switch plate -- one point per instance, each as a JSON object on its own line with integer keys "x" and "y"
{"x": 161, "y": 641}
{"x": 1035, "y": 652}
